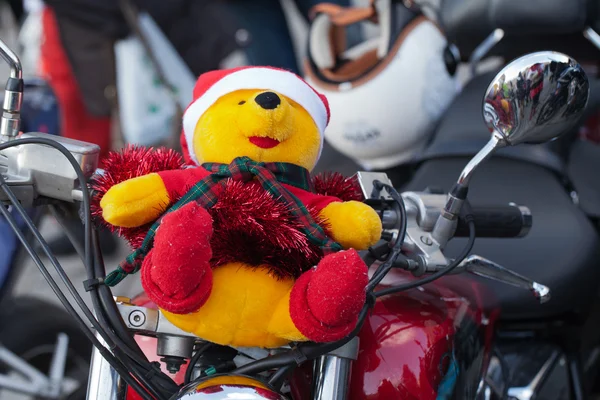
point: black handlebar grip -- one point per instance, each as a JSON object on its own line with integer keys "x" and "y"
{"x": 509, "y": 221}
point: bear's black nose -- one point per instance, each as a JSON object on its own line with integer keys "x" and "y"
{"x": 268, "y": 100}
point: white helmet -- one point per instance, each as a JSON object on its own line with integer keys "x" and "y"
{"x": 387, "y": 93}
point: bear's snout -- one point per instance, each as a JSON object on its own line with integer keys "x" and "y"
{"x": 268, "y": 100}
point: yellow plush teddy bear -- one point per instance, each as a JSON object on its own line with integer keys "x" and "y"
{"x": 262, "y": 128}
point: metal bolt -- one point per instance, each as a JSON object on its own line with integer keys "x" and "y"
{"x": 426, "y": 240}
{"x": 137, "y": 318}
{"x": 173, "y": 364}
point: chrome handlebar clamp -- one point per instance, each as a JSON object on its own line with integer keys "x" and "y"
{"x": 38, "y": 170}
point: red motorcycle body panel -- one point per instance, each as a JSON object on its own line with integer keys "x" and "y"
{"x": 427, "y": 343}
{"x": 424, "y": 344}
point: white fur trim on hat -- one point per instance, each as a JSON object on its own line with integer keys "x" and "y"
{"x": 283, "y": 82}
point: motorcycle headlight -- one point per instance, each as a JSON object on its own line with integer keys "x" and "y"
{"x": 225, "y": 387}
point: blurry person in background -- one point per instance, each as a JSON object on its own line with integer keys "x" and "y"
{"x": 17, "y": 9}
{"x": 265, "y": 32}
{"x": 78, "y": 52}
{"x": 77, "y": 60}
{"x": 202, "y": 32}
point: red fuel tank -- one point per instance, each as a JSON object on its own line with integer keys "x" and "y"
{"x": 427, "y": 343}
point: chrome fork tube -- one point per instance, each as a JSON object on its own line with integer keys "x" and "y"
{"x": 332, "y": 372}
{"x": 104, "y": 382}
{"x": 332, "y": 376}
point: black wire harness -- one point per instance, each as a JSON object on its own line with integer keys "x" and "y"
{"x": 108, "y": 332}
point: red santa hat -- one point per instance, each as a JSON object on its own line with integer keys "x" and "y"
{"x": 213, "y": 85}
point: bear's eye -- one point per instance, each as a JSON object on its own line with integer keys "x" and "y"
{"x": 242, "y": 102}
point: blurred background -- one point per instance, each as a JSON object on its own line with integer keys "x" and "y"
{"x": 405, "y": 82}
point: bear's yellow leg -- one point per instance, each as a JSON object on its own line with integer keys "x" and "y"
{"x": 281, "y": 324}
{"x": 247, "y": 307}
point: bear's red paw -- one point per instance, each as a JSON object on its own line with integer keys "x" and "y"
{"x": 325, "y": 301}
{"x": 176, "y": 274}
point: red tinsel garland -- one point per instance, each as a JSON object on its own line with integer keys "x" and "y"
{"x": 250, "y": 226}
{"x": 337, "y": 185}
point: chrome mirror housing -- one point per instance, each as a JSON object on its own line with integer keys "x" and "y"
{"x": 536, "y": 98}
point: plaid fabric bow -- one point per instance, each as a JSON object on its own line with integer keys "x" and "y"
{"x": 269, "y": 175}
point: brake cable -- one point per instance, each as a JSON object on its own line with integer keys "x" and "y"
{"x": 112, "y": 340}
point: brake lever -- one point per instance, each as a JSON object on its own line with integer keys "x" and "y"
{"x": 483, "y": 267}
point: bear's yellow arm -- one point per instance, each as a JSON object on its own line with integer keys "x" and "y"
{"x": 353, "y": 224}
{"x": 135, "y": 202}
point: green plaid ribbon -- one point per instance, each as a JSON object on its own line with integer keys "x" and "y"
{"x": 269, "y": 175}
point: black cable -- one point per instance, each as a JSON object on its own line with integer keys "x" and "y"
{"x": 400, "y": 210}
{"x": 106, "y": 334}
{"x": 307, "y": 351}
{"x": 80, "y": 176}
{"x": 110, "y": 316}
{"x": 411, "y": 285}
{"x": 89, "y": 256}
{"x": 139, "y": 363}
{"x": 399, "y": 203}
{"x": 60, "y": 218}
{"x": 194, "y": 361}
{"x": 121, "y": 335}
{"x": 382, "y": 271}
{"x": 87, "y": 312}
{"x": 277, "y": 379}
{"x": 112, "y": 360}
{"x": 103, "y": 301}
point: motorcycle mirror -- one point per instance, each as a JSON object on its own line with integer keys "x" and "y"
{"x": 536, "y": 98}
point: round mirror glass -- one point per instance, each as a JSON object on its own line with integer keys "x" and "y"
{"x": 536, "y": 98}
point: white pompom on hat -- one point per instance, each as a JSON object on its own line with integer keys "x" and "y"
{"x": 213, "y": 85}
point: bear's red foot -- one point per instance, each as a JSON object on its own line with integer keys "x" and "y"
{"x": 325, "y": 301}
{"x": 176, "y": 273}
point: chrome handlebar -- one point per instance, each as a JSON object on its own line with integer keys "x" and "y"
{"x": 423, "y": 211}
{"x": 13, "y": 96}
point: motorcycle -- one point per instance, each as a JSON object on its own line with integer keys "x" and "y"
{"x": 426, "y": 330}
